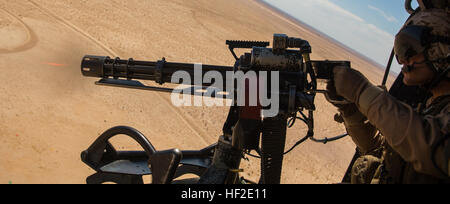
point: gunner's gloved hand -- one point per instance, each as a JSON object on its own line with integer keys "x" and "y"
{"x": 346, "y": 109}
{"x": 350, "y": 83}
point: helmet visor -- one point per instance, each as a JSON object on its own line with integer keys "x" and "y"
{"x": 410, "y": 41}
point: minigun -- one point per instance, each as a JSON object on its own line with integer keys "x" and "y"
{"x": 291, "y": 77}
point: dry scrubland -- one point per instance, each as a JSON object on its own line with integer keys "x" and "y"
{"x": 49, "y": 113}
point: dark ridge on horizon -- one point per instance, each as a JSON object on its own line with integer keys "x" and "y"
{"x": 329, "y": 38}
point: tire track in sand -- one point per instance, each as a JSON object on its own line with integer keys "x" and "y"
{"x": 187, "y": 120}
{"x": 29, "y": 43}
{"x": 73, "y": 27}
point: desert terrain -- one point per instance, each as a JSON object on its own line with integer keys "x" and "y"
{"x": 49, "y": 113}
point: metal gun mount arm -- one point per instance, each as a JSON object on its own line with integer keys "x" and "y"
{"x": 128, "y": 167}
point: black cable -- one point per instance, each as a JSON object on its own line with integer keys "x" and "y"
{"x": 298, "y": 143}
{"x": 326, "y": 140}
{"x": 304, "y": 116}
{"x": 291, "y": 121}
{"x": 302, "y": 119}
{"x": 252, "y": 155}
{"x": 310, "y": 135}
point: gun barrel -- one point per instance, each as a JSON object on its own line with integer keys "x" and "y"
{"x": 159, "y": 71}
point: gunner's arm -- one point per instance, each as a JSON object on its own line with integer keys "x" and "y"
{"x": 418, "y": 139}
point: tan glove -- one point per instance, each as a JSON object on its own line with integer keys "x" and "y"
{"x": 331, "y": 96}
{"x": 350, "y": 83}
{"x": 355, "y": 87}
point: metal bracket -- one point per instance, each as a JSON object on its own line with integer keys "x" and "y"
{"x": 130, "y": 62}
{"x": 164, "y": 165}
{"x": 159, "y": 71}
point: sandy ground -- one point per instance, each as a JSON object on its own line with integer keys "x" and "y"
{"x": 49, "y": 113}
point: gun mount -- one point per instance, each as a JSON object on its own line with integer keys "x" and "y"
{"x": 291, "y": 77}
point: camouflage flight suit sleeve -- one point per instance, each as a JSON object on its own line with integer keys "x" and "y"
{"x": 363, "y": 134}
{"x": 409, "y": 133}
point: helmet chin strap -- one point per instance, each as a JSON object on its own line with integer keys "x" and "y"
{"x": 438, "y": 78}
{"x": 439, "y": 75}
